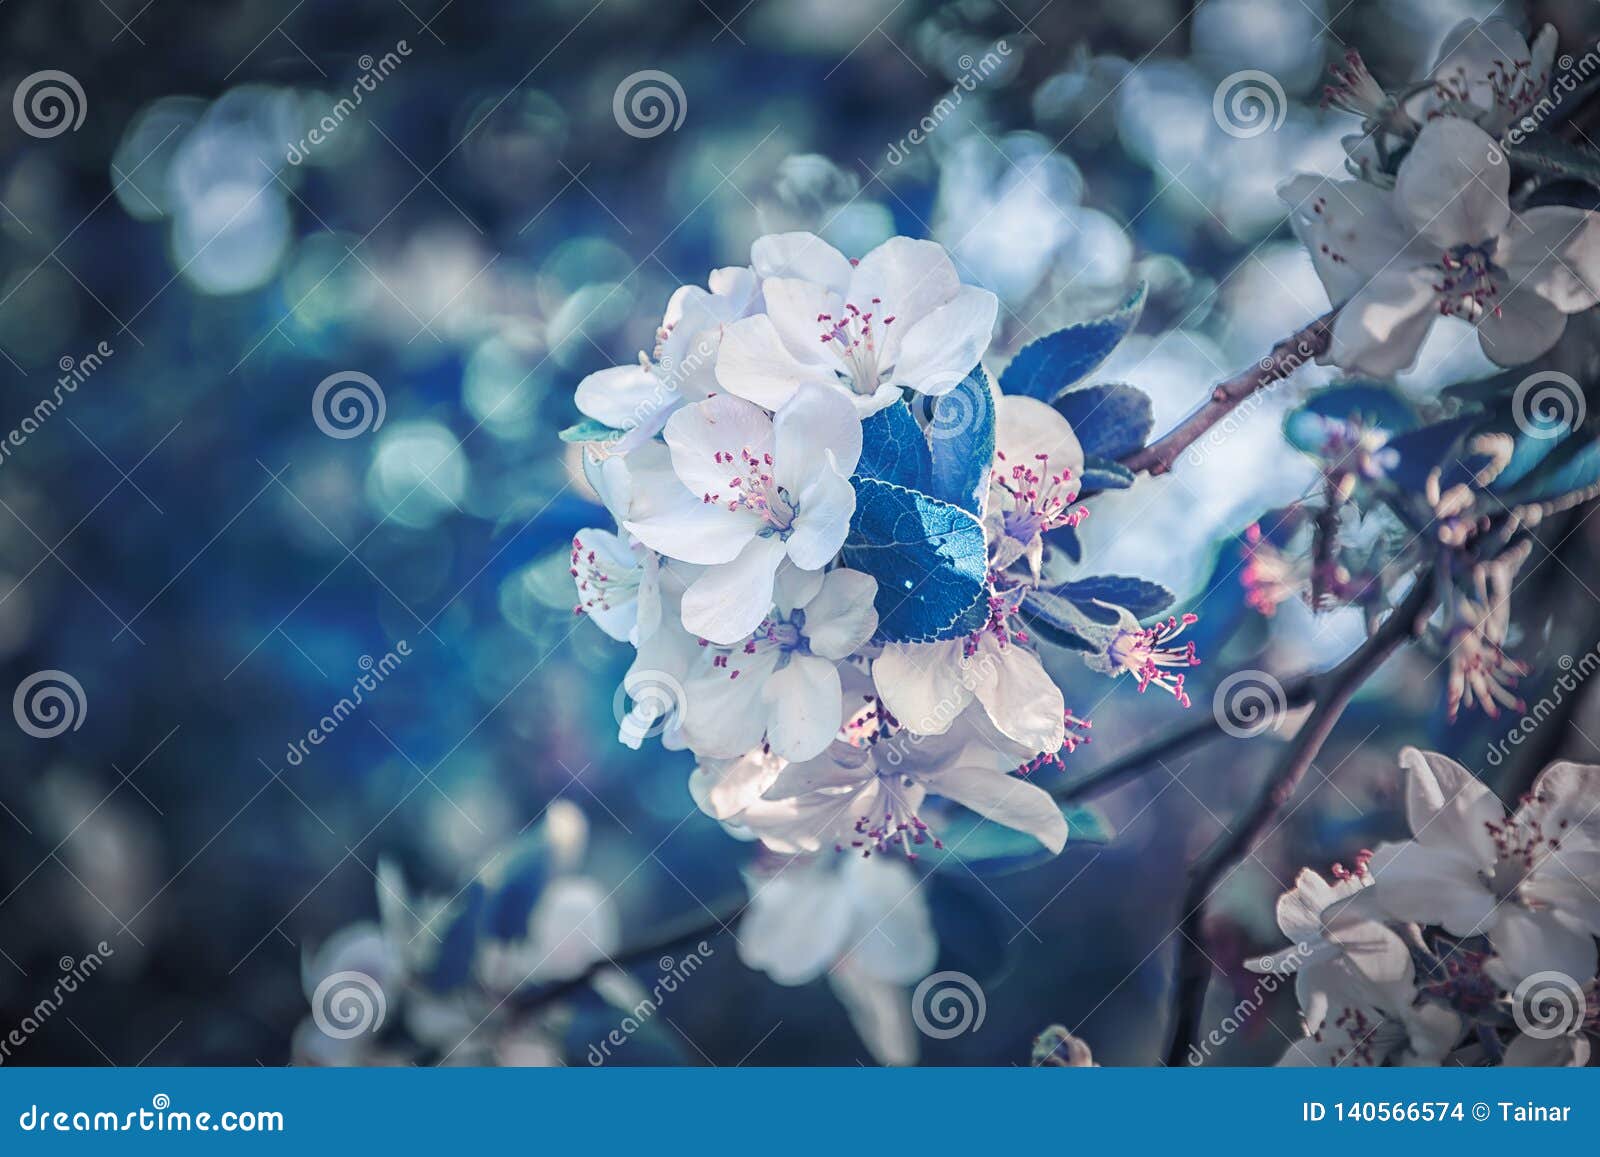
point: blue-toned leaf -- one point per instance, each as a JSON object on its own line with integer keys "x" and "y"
{"x": 929, "y": 557}
{"x": 1139, "y": 597}
{"x": 1103, "y": 474}
{"x": 1088, "y": 825}
{"x": 894, "y": 449}
{"x": 512, "y": 901}
{"x": 590, "y": 430}
{"x": 1551, "y": 155}
{"x": 452, "y": 961}
{"x": 1574, "y": 470}
{"x": 1060, "y": 621}
{"x": 1111, "y": 421}
{"x": 991, "y": 849}
{"x": 1419, "y": 451}
{"x": 962, "y": 437}
{"x": 1056, "y": 362}
{"x": 1065, "y": 539}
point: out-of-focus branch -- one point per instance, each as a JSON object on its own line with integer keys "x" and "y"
{"x": 1287, "y": 356}
{"x": 1297, "y": 692}
{"x": 713, "y": 920}
{"x": 1332, "y": 692}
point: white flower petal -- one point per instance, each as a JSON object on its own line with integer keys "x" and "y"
{"x": 795, "y": 926}
{"x": 880, "y": 1011}
{"x": 624, "y": 396}
{"x": 939, "y": 350}
{"x": 904, "y": 279}
{"x": 1023, "y": 702}
{"x": 1430, "y": 886}
{"x": 729, "y": 601}
{"x": 1520, "y": 327}
{"x": 1527, "y": 942}
{"x": 1452, "y": 187}
{"x": 893, "y": 937}
{"x": 922, "y": 684}
{"x": 1541, "y": 1052}
{"x": 841, "y": 617}
{"x": 1555, "y": 251}
{"x": 816, "y": 421}
{"x": 805, "y": 707}
{"x": 710, "y": 442}
{"x": 802, "y": 255}
{"x": 822, "y": 522}
{"x": 1448, "y": 807}
{"x": 1005, "y": 799}
{"x": 1381, "y": 328}
{"x": 1030, "y": 434}
{"x": 754, "y": 362}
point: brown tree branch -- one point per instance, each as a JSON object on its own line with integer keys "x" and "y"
{"x": 1332, "y": 693}
{"x": 1287, "y": 356}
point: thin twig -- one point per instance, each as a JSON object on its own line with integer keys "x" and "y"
{"x": 1332, "y": 693}
{"x": 1126, "y": 768}
{"x": 1287, "y": 356}
{"x": 717, "y": 918}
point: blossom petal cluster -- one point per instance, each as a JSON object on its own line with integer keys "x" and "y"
{"x": 1429, "y": 228}
{"x": 836, "y": 547}
{"x": 1482, "y": 925}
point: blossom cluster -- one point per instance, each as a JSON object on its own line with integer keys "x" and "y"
{"x": 838, "y": 544}
{"x": 1473, "y": 942}
{"x": 1429, "y": 229}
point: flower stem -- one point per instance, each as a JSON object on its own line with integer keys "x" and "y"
{"x": 1332, "y": 692}
{"x": 1288, "y": 355}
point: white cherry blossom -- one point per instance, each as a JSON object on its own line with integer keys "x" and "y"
{"x": 1529, "y": 882}
{"x": 899, "y": 317}
{"x": 781, "y": 683}
{"x": 640, "y": 398}
{"x": 1444, "y": 242}
{"x": 745, "y": 491}
{"x": 864, "y": 923}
